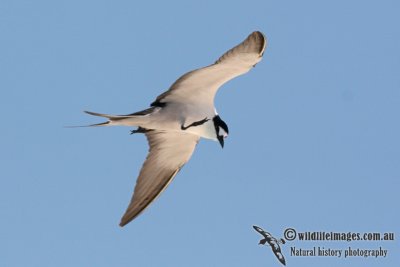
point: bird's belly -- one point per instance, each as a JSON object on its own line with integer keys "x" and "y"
{"x": 175, "y": 120}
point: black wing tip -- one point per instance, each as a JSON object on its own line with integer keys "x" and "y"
{"x": 259, "y": 229}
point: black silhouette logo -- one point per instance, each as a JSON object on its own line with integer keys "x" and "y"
{"x": 273, "y": 242}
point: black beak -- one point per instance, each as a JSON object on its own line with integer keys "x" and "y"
{"x": 221, "y": 141}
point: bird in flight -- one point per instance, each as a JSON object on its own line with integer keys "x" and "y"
{"x": 179, "y": 117}
{"x": 273, "y": 242}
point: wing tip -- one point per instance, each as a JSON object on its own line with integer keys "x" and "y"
{"x": 128, "y": 217}
{"x": 92, "y": 113}
{"x": 123, "y": 223}
{"x": 259, "y": 38}
{"x": 253, "y": 46}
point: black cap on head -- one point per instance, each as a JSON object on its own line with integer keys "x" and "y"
{"x": 217, "y": 124}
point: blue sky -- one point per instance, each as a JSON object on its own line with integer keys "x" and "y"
{"x": 314, "y": 131}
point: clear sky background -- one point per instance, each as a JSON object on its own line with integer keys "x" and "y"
{"x": 314, "y": 131}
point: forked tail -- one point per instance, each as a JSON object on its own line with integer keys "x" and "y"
{"x": 114, "y": 119}
{"x": 134, "y": 119}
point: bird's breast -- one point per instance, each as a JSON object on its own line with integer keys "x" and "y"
{"x": 177, "y": 117}
{"x": 206, "y": 130}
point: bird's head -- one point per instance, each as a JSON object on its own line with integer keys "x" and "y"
{"x": 221, "y": 130}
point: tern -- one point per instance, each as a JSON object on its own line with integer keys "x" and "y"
{"x": 179, "y": 117}
{"x": 273, "y": 242}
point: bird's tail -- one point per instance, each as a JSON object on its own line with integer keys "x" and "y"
{"x": 115, "y": 120}
{"x": 134, "y": 119}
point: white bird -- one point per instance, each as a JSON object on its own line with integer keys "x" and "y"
{"x": 178, "y": 118}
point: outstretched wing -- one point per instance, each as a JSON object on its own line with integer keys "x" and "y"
{"x": 264, "y": 233}
{"x": 199, "y": 87}
{"x": 278, "y": 253}
{"x": 168, "y": 152}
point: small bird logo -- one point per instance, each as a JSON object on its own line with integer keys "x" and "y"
{"x": 273, "y": 242}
